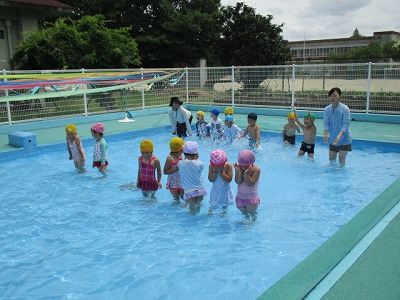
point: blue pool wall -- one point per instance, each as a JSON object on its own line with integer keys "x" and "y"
{"x": 43, "y": 124}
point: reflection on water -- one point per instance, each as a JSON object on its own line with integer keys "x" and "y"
{"x": 68, "y": 234}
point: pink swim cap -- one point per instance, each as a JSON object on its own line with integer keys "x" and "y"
{"x": 98, "y": 127}
{"x": 246, "y": 158}
{"x": 218, "y": 157}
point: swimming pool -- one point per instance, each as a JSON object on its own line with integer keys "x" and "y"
{"x": 69, "y": 235}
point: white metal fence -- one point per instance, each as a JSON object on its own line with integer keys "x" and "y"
{"x": 369, "y": 88}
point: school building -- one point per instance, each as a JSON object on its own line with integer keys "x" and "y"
{"x": 315, "y": 51}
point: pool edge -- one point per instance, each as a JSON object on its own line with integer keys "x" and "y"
{"x": 298, "y": 283}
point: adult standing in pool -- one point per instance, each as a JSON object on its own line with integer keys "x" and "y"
{"x": 180, "y": 118}
{"x": 337, "y": 127}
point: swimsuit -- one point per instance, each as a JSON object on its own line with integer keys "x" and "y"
{"x": 147, "y": 176}
{"x": 247, "y": 194}
{"x": 174, "y": 179}
{"x": 74, "y": 151}
{"x": 252, "y": 143}
{"x": 100, "y": 153}
{"x": 290, "y": 139}
{"x": 309, "y": 148}
{"x": 221, "y": 192}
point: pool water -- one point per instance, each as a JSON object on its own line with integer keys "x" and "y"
{"x": 79, "y": 236}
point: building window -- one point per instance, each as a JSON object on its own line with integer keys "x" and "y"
{"x": 2, "y": 35}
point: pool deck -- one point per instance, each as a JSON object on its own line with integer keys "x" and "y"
{"x": 360, "y": 261}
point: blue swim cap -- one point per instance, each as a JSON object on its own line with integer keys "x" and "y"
{"x": 229, "y": 118}
{"x": 215, "y": 112}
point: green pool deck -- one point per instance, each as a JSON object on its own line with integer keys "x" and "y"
{"x": 360, "y": 261}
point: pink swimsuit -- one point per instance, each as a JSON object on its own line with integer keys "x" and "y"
{"x": 147, "y": 176}
{"x": 174, "y": 179}
{"x": 247, "y": 194}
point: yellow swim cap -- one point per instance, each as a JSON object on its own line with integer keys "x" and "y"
{"x": 176, "y": 144}
{"x": 70, "y": 128}
{"x": 146, "y": 146}
{"x": 228, "y": 111}
{"x": 291, "y": 115}
{"x": 201, "y": 113}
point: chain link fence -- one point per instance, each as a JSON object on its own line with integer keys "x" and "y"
{"x": 368, "y": 88}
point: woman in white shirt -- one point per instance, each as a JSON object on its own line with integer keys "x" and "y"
{"x": 180, "y": 118}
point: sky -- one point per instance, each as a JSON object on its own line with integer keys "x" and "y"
{"x": 324, "y": 19}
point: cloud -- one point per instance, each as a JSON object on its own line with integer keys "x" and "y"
{"x": 323, "y": 19}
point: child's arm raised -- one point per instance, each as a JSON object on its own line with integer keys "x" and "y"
{"x": 212, "y": 173}
{"x": 296, "y": 118}
{"x": 238, "y": 174}
{"x": 251, "y": 175}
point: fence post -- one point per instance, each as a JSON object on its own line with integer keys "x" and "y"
{"x": 7, "y": 103}
{"x": 85, "y": 98}
{"x": 143, "y": 102}
{"x": 368, "y": 87}
{"x": 187, "y": 84}
{"x": 293, "y": 82}
{"x": 233, "y": 86}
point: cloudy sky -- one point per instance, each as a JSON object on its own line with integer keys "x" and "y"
{"x": 324, "y": 19}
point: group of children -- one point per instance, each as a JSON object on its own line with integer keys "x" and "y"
{"x": 184, "y": 175}
{"x": 309, "y": 133}
{"x": 230, "y": 131}
{"x": 77, "y": 154}
{"x": 184, "y": 179}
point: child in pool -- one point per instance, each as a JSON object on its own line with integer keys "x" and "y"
{"x": 75, "y": 149}
{"x": 220, "y": 174}
{"x": 253, "y": 130}
{"x": 190, "y": 170}
{"x": 289, "y": 130}
{"x": 247, "y": 176}
{"x": 201, "y": 125}
{"x": 231, "y": 130}
{"x": 148, "y": 165}
{"x": 309, "y": 134}
{"x": 171, "y": 168}
{"x": 216, "y": 125}
{"x": 100, "y": 153}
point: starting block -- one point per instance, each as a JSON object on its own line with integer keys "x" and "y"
{"x": 22, "y": 139}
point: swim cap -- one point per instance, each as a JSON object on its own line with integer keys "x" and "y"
{"x": 176, "y": 144}
{"x": 218, "y": 157}
{"x": 201, "y": 113}
{"x": 311, "y": 115}
{"x": 146, "y": 146}
{"x": 252, "y": 116}
{"x": 215, "y": 112}
{"x": 70, "y": 128}
{"x": 246, "y": 158}
{"x": 290, "y": 115}
{"x": 228, "y": 111}
{"x": 191, "y": 148}
{"x": 229, "y": 118}
{"x": 98, "y": 127}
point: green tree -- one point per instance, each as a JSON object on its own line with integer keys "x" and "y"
{"x": 85, "y": 43}
{"x": 374, "y": 52}
{"x": 251, "y": 39}
{"x": 168, "y": 32}
{"x": 356, "y": 34}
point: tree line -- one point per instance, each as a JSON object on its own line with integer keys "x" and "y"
{"x": 153, "y": 34}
